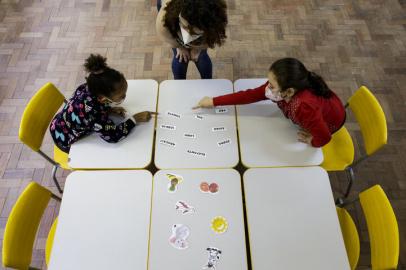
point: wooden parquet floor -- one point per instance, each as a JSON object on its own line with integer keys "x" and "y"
{"x": 349, "y": 42}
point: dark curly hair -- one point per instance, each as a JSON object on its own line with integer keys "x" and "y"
{"x": 102, "y": 80}
{"x": 210, "y": 16}
{"x": 291, "y": 73}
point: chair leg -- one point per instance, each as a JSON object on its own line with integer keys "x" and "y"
{"x": 350, "y": 173}
{"x": 350, "y": 176}
{"x": 54, "y": 169}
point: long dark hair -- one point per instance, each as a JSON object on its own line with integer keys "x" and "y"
{"x": 291, "y": 73}
{"x": 210, "y": 16}
{"x": 102, "y": 80}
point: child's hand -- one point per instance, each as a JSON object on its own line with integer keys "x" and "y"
{"x": 118, "y": 110}
{"x": 304, "y": 137}
{"x": 206, "y": 102}
{"x": 143, "y": 116}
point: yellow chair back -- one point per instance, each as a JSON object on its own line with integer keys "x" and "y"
{"x": 38, "y": 115}
{"x": 350, "y": 236}
{"x": 22, "y": 226}
{"x": 382, "y": 228}
{"x": 370, "y": 117}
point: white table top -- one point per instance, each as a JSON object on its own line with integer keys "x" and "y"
{"x": 135, "y": 151}
{"x": 227, "y": 203}
{"x": 292, "y": 220}
{"x": 179, "y": 97}
{"x": 103, "y": 221}
{"x": 267, "y": 137}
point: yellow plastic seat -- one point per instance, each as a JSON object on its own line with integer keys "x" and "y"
{"x": 382, "y": 229}
{"x": 35, "y": 122}
{"x": 22, "y": 226}
{"x": 61, "y": 158}
{"x": 350, "y": 235}
{"x": 50, "y": 241}
{"x": 339, "y": 152}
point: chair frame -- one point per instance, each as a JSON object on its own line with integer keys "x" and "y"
{"x": 350, "y": 174}
{"x": 55, "y": 164}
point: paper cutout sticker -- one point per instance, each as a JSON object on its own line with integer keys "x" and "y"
{"x": 198, "y": 116}
{"x": 215, "y": 129}
{"x": 167, "y": 143}
{"x": 209, "y": 188}
{"x": 189, "y": 135}
{"x": 176, "y": 115}
{"x": 222, "y": 110}
{"x": 179, "y": 235}
{"x": 169, "y": 127}
{"x": 174, "y": 181}
{"x": 213, "y": 258}
{"x": 219, "y": 225}
{"x": 224, "y": 142}
{"x": 197, "y": 153}
{"x": 184, "y": 207}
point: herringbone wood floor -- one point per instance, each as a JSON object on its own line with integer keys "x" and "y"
{"x": 349, "y": 42}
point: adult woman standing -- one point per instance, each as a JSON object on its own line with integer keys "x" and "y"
{"x": 190, "y": 27}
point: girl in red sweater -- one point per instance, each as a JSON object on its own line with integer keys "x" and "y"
{"x": 302, "y": 95}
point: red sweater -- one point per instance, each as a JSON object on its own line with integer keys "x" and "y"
{"x": 320, "y": 116}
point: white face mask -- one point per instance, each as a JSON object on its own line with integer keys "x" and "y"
{"x": 269, "y": 94}
{"x": 186, "y": 36}
{"x": 114, "y": 103}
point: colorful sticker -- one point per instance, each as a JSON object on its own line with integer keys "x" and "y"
{"x": 213, "y": 258}
{"x": 179, "y": 235}
{"x": 209, "y": 188}
{"x": 174, "y": 181}
{"x": 184, "y": 207}
{"x": 219, "y": 225}
{"x": 204, "y": 187}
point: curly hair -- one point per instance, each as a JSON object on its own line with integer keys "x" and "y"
{"x": 102, "y": 79}
{"x": 210, "y": 16}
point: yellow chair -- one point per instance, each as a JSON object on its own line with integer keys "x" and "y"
{"x": 22, "y": 226}
{"x": 35, "y": 122}
{"x": 382, "y": 228}
{"x": 339, "y": 152}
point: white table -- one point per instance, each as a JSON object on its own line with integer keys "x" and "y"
{"x": 179, "y": 97}
{"x": 135, "y": 151}
{"x": 227, "y": 203}
{"x": 292, "y": 220}
{"x": 103, "y": 221}
{"x": 267, "y": 137}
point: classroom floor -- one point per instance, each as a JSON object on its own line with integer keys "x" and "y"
{"x": 349, "y": 42}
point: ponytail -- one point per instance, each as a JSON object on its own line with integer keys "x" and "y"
{"x": 291, "y": 73}
{"x": 318, "y": 85}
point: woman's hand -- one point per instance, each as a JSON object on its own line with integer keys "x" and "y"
{"x": 304, "y": 137}
{"x": 206, "y": 102}
{"x": 118, "y": 110}
{"x": 143, "y": 116}
{"x": 183, "y": 55}
{"x": 194, "y": 54}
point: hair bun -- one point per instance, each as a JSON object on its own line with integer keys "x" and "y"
{"x": 95, "y": 63}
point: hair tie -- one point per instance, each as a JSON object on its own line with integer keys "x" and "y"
{"x": 97, "y": 72}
